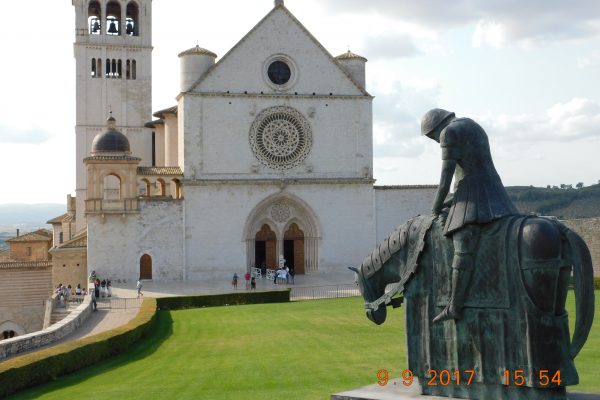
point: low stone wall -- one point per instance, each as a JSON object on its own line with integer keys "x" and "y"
{"x": 589, "y": 230}
{"x": 34, "y": 340}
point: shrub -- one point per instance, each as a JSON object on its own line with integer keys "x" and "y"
{"x": 215, "y": 300}
{"x": 48, "y": 364}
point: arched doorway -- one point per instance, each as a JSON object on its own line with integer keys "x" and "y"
{"x": 265, "y": 247}
{"x": 146, "y": 267}
{"x": 9, "y": 329}
{"x": 289, "y": 218}
{"x": 293, "y": 248}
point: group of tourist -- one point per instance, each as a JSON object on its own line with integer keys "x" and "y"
{"x": 284, "y": 274}
{"x": 281, "y": 275}
{"x": 250, "y": 281}
{"x": 66, "y": 293}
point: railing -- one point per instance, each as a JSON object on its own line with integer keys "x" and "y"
{"x": 118, "y": 303}
{"x": 324, "y": 292}
{"x": 102, "y": 205}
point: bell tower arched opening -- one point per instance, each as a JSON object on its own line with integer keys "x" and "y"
{"x": 94, "y": 18}
{"x": 131, "y": 19}
{"x": 113, "y": 18}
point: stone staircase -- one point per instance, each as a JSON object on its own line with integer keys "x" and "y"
{"x": 60, "y": 313}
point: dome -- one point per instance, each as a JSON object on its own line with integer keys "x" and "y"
{"x": 350, "y": 56}
{"x": 197, "y": 51}
{"x": 111, "y": 141}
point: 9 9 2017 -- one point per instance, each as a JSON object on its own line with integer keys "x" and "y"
{"x": 434, "y": 377}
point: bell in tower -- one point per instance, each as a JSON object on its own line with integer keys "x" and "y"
{"x": 129, "y": 28}
{"x": 113, "y": 28}
{"x": 94, "y": 17}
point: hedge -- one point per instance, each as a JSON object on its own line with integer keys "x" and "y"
{"x": 42, "y": 366}
{"x": 225, "y": 299}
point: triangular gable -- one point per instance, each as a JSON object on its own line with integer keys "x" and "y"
{"x": 281, "y": 7}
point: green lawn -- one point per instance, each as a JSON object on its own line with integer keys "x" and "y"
{"x": 302, "y": 350}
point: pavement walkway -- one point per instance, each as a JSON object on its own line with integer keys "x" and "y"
{"x": 183, "y": 288}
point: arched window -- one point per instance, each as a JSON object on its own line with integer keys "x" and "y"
{"x": 94, "y": 70}
{"x": 128, "y": 69}
{"x": 112, "y": 187}
{"x": 162, "y": 187}
{"x": 113, "y": 69}
{"x": 108, "y": 68}
{"x": 113, "y": 18}
{"x": 145, "y": 189}
{"x": 119, "y": 68}
{"x": 94, "y": 18}
{"x": 176, "y": 189}
{"x": 131, "y": 19}
{"x": 133, "y": 67}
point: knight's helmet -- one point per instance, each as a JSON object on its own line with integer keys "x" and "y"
{"x": 434, "y": 118}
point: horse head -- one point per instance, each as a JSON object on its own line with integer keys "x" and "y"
{"x": 371, "y": 289}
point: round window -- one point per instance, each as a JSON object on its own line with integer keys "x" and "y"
{"x": 280, "y": 137}
{"x": 279, "y": 72}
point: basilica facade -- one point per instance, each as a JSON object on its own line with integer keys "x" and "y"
{"x": 266, "y": 157}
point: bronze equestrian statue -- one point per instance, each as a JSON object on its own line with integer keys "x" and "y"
{"x": 484, "y": 287}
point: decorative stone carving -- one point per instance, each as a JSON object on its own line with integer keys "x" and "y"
{"x": 280, "y": 137}
{"x": 280, "y": 212}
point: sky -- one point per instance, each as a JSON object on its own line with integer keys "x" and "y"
{"x": 527, "y": 71}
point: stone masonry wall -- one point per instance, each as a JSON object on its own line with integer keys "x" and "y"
{"x": 589, "y": 230}
{"x": 74, "y": 320}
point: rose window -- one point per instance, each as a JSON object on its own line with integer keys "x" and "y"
{"x": 280, "y": 212}
{"x": 280, "y": 137}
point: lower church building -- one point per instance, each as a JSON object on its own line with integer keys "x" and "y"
{"x": 267, "y": 156}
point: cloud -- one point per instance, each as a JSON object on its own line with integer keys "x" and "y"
{"x": 497, "y": 22}
{"x": 591, "y": 61}
{"x": 576, "y": 119}
{"x": 397, "y": 113}
{"x": 390, "y": 46}
{"x": 10, "y": 134}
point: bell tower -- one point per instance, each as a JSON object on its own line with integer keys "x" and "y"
{"x": 113, "y": 57}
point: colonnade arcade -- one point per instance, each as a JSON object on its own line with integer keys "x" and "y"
{"x": 283, "y": 226}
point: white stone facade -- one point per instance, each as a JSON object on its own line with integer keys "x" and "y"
{"x": 268, "y": 153}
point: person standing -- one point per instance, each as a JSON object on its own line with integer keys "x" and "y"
{"x": 234, "y": 280}
{"x": 253, "y": 283}
{"x": 139, "y": 288}
{"x": 247, "y": 279}
{"x": 479, "y": 196}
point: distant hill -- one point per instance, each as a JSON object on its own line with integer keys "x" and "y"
{"x": 562, "y": 203}
{"x": 26, "y": 218}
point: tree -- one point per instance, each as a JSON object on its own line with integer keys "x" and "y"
{"x": 579, "y": 185}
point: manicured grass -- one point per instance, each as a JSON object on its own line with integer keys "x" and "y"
{"x": 303, "y": 350}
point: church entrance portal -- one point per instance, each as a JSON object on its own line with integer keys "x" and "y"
{"x": 293, "y": 248}
{"x": 283, "y": 226}
{"x": 265, "y": 247}
{"x": 146, "y": 267}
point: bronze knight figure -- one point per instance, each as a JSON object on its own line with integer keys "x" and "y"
{"x": 484, "y": 288}
{"x": 479, "y": 195}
